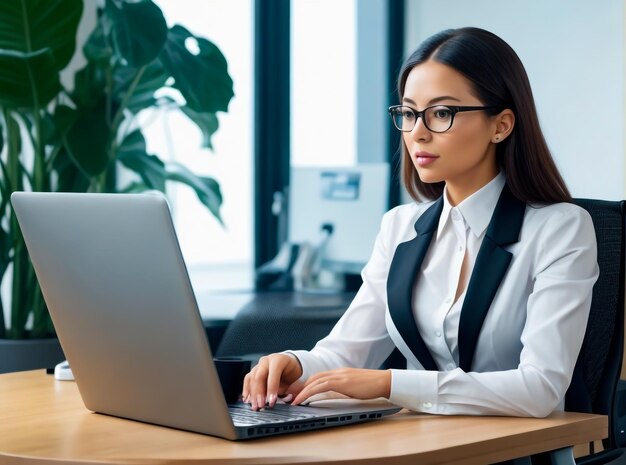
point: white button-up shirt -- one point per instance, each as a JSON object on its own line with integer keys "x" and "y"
{"x": 530, "y": 338}
{"x": 461, "y": 231}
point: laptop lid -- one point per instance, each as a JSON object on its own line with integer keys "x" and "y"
{"x": 117, "y": 288}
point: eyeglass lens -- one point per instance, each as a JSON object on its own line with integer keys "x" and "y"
{"x": 437, "y": 118}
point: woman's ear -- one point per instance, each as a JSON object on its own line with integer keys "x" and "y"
{"x": 504, "y": 124}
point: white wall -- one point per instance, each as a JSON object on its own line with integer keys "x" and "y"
{"x": 574, "y": 52}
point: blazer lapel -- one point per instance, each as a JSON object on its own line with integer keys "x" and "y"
{"x": 491, "y": 265}
{"x": 405, "y": 265}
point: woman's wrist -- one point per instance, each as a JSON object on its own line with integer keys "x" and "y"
{"x": 387, "y": 384}
{"x": 298, "y": 366}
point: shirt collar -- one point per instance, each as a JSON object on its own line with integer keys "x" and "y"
{"x": 478, "y": 208}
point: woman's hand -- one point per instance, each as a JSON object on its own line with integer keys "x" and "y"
{"x": 273, "y": 376}
{"x": 352, "y": 382}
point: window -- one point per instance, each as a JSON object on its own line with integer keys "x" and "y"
{"x": 323, "y": 84}
{"x": 218, "y": 258}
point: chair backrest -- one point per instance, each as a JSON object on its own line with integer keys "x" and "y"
{"x": 599, "y": 363}
{"x": 277, "y": 321}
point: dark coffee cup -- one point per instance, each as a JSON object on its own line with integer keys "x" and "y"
{"x": 231, "y": 371}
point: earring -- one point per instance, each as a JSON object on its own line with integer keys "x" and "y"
{"x": 497, "y": 139}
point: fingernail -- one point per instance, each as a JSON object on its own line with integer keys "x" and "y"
{"x": 272, "y": 399}
{"x": 288, "y": 398}
{"x": 260, "y": 401}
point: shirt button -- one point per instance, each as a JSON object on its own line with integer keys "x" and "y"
{"x": 427, "y": 404}
{"x": 450, "y": 367}
{"x": 438, "y": 333}
{"x": 456, "y": 215}
{"x": 448, "y": 300}
{"x": 460, "y": 248}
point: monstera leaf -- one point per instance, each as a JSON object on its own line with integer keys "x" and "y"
{"x": 153, "y": 173}
{"x": 132, "y": 154}
{"x": 207, "y": 189}
{"x": 138, "y": 29}
{"x": 201, "y": 78}
{"x": 142, "y": 97}
{"x": 207, "y": 122}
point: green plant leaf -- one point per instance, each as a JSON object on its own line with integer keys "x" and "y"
{"x": 56, "y": 126}
{"x": 70, "y": 177}
{"x": 153, "y": 79}
{"x": 207, "y": 122}
{"x": 5, "y": 248}
{"x": 202, "y": 79}
{"x": 134, "y": 188}
{"x": 13, "y": 175}
{"x": 134, "y": 143}
{"x": 90, "y": 83}
{"x": 88, "y": 139}
{"x": 31, "y": 25}
{"x": 139, "y": 31}
{"x": 132, "y": 154}
{"x": 28, "y": 79}
{"x": 5, "y": 195}
{"x": 97, "y": 47}
{"x": 207, "y": 189}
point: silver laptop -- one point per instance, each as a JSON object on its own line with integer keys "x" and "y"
{"x": 117, "y": 288}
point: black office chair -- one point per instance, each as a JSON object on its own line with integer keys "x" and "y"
{"x": 277, "y": 321}
{"x": 599, "y": 364}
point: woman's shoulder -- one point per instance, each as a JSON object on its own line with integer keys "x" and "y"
{"x": 562, "y": 212}
{"x": 558, "y": 223}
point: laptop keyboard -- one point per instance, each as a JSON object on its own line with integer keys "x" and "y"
{"x": 244, "y": 416}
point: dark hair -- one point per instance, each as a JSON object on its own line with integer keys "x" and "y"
{"x": 499, "y": 79}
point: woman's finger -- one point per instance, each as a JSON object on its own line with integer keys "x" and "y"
{"x": 259, "y": 384}
{"x": 316, "y": 387}
{"x": 276, "y": 368}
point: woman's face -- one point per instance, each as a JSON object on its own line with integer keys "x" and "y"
{"x": 464, "y": 156}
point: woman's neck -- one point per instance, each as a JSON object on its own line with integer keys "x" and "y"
{"x": 459, "y": 191}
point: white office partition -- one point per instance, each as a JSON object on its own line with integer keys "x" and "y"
{"x": 350, "y": 199}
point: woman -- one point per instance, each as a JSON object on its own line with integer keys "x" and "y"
{"x": 485, "y": 287}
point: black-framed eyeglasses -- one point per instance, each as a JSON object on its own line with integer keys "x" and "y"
{"x": 438, "y": 118}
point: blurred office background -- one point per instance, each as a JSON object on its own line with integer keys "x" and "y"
{"x": 313, "y": 79}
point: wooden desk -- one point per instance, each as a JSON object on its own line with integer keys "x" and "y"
{"x": 44, "y": 421}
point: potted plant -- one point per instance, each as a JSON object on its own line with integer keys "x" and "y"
{"x": 80, "y": 139}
